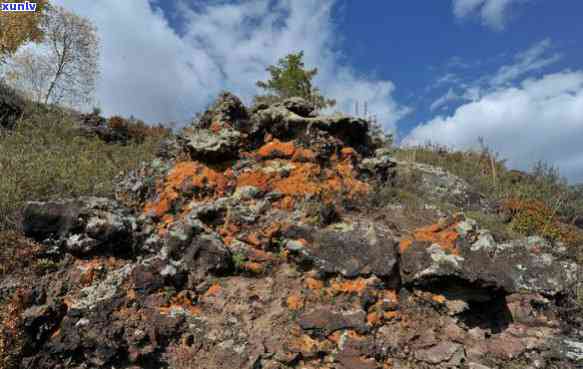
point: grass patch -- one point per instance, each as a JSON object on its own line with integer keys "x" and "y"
{"x": 45, "y": 157}
{"x": 540, "y": 201}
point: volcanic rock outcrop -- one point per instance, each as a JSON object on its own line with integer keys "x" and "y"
{"x": 252, "y": 243}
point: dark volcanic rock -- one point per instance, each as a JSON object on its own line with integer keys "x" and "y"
{"x": 352, "y": 250}
{"x": 323, "y": 322}
{"x": 81, "y": 226}
{"x": 208, "y": 146}
{"x": 299, "y": 106}
{"x": 524, "y": 265}
{"x": 228, "y": 109}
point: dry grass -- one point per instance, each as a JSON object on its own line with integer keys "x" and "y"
{"x": 45, "y": 157}
{"x": 488, "y": 174}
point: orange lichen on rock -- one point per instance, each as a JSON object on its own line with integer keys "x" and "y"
{"x": 180, "y": 302}
{"x": 253, "y": 267}
{"x": 305, "y": 344}
{"x": 217, "y": 127}
{"x": 295, "y": 302}
{"x": 256, "y": 178}
{"x": 404, "y": 245}
{"x": 390, "y": 297}
{"x": 277, "y": 149}
{"x": 356, "y": 286}
{"x": 304, "y": 155}
{"x": 302, "y": 180}
{"x": 314, "y": 284}
{"x": 440, "y": 299}
{"x": 190, "y": 176}
{"x": 213, "y": 290}
{"x": 286, "y": 203}
{"x": 374, "y": 318}
{"x": 445, "y": 237}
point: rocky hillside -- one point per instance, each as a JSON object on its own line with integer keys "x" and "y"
{"x": 259, "y": 239}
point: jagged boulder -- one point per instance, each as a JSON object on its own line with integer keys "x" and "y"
{"x": 463, "y": 252}
{"x": 85, "y": 225}
{"x": 228, "y": 109}
{"x": 209, "y": 146}
{"x": 300, "y": 106}
{"x": 352, "y": 250}
{"x": 437, "y": 183}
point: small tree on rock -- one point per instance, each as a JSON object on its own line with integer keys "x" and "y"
{"x": 289, "y": 78}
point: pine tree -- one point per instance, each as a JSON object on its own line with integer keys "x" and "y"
{"x": 289, "y": 78}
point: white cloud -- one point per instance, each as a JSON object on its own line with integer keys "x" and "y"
{"x": 494, "y": 13}
{"x": 445, "y": 99}
{"x": 151, "y": 71}
{"x": 527, "y": 61}
{"x": 541, "y": 119}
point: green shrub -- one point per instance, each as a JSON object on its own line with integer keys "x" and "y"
{"x": 45, "y": 157}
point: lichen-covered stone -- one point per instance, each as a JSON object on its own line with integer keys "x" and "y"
{"x": 81, "y": 226}
{"x": 361, "y": 249}
{"x": 523, "y": 265}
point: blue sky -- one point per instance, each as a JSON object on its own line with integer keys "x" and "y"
{"x": 445, "y": 71}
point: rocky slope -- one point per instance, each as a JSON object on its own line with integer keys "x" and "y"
{"x": 253, "y": 242}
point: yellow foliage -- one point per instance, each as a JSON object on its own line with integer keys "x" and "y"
{"x": 18, "y": 28}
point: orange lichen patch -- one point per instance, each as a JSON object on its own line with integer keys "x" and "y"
{"x": 277, "y": 149}
{"x": 374, "y": 318}
{"x": 345, "y": 180}
{"x": 390, "y": 296}
{"x": 254, "y": 239}
{"x": 304, "y": 155}
{"x": 347, "y": 153}
{"x": 255, "y": 178}
{"x": 445, "y": 237}
{"x": 131, "y": 294}
{"x": 88, "y": 270}
{"x": 213, "y": 290}
{"x": 404, "y": 245}
{"x": 295, "y": 302}
{"x": 302, "y": 180}
{"x": 259, "y": 256}
{"x": 304, "y": 344}
{"x": 314, "y": 284}
{"x": 253, "y": 267}
{"x": 193, "y": 176}
{"x": 216, "y": 127}
{"x": 390, "y": 315}
{"x": 440, "y": 299}
{"x": 180, "y": 302}
{"x": 356, "y": 286}
{"x": 287, "y": 203}
{"x": 351, "y": 334}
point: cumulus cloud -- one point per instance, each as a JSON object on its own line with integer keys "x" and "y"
{"x": 151, "y": 71}
{"x": 493, "y": 13}
{"x": 540, "y": 119}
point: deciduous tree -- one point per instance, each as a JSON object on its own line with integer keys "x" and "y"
{"x": 73, "y": 50}
{"x": 19, "y": 28}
